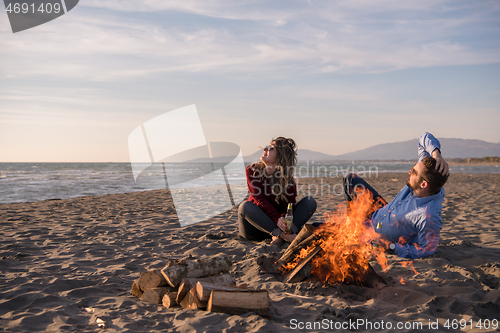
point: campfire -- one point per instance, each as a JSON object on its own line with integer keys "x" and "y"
{"x": 338, "y": 251}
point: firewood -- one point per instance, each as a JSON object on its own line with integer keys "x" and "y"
{"x": 188, "y": 283}
{"x": 373, "y": 280}
{"x": 175, "y": 271}
{"x": 306, "y": 231}
{"x": 302, "y": 274}
{"x": 239, "y": 302}
{"x": 136, "y": 291}
{"x": 203, "y": 289}
{"x": 154, "y": 295}
{"x": 168, "y": 300}
{"x": 191, "y": 301}
{"x": 151, "y": 279}
{"x": 292, "y": 252}
{"x": 302, "y": 270}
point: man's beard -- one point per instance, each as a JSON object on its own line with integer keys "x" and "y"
{"x": 413, "y": 187}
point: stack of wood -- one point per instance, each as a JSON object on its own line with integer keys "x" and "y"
{"x": 200, "y": 284}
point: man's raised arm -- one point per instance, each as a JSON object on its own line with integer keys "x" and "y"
{"x": 428, "y": 145}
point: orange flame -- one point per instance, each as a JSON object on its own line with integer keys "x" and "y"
{"x": 402, "y": 281}
{"x": 346, "y": 241}
{"x": 410, "y": 264}
{"x": 301, "y": 255}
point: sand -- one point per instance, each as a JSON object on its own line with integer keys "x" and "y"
{"x": 65, "y": 263}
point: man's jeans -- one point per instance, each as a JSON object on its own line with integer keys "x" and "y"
{"x": 353, "y": 182}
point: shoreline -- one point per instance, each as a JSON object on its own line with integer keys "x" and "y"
{"x": 367, "y": 175}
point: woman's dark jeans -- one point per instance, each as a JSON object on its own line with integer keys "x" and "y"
{"x": 254, "y": 224}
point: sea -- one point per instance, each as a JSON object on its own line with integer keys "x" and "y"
{"x": 30, "y": 182}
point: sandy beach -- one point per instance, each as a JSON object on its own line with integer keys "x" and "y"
{"x": 65, "y": 263}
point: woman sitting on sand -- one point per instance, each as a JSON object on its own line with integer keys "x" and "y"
{"x": 272, "y": 187}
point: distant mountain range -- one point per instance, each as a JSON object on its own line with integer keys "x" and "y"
{"x": 404, "y": 150}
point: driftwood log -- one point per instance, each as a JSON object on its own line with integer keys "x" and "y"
{"x": 176, "y": 270}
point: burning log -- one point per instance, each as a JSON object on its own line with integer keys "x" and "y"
{"x": 345, "y": 244}
{"x": 373, "y": 280}
{"x": 355, "y": 274}
{"x": 305, "y": 237}
{"x": 239, "y": 302}
{"x": 176, "y": 270}
{"x": 357, "y": 271}
{"x": 303, "y": 268}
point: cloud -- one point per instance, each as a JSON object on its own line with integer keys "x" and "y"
{"x": 238, "y": 10}
{"x": 102, "y": 42}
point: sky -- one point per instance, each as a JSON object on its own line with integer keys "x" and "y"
{"x": 336, "y": 76}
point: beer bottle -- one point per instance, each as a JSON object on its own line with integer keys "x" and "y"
{"x": 289, "y": 219}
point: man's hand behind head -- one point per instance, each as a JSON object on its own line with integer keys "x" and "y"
{"x": 441, "y": 165}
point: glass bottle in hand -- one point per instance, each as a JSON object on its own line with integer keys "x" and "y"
{"x": 289, "y": 219}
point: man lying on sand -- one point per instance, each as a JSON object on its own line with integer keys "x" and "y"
{"x": 410, "y": 224}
